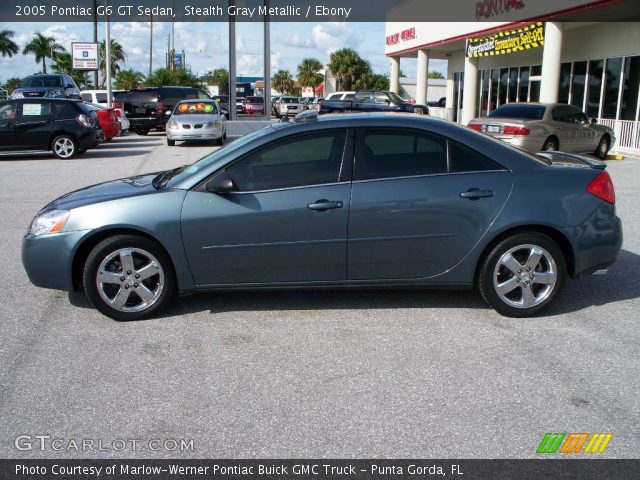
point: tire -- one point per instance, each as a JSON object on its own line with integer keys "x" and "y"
{"x": 603, "y": 148}
{"x": 550, "y": 145}
{"x": 142, "y": 131}
{"x": 145, "y": 256}
{"x": 224, "y": 135}
{"x": 171, "y": 143}
{"x": 506, "y": 266}
{"x": 220, "y": 141}
{"x": 81, "y": 151}
{"x": 64, "y": 147}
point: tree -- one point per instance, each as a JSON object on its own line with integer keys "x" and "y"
{"x": 129, "y": 79}
{"x": 64, "y": 64}
{"x": 219, "y": 77}
{"x": 177, "y": 77}
{"x": 8, "y": 47}
{"x": 347, "y": 66}
{"x": 11, "y": 84}
{"x": 282, "y": 81}
{"x": 42, "y": 47}
{"x": 435, "y": 75}
{"x": 117, "y": 55}
{"x": 308, "y": 75}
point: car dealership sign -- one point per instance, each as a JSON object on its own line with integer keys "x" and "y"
{"x": 507, "y": 41}
{"x": 85, "y": 56}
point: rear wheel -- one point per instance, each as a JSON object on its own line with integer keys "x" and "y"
{"x": 550, "y": 145}
{"x": 603, "y": 148}
{"x": 64, "y": 147}
{"x": 220, "y": 140}
{"x": 522, "y": 275}
{"x": 128, "y": 277}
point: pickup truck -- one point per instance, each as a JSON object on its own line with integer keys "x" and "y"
{"x": 371, "y": 101}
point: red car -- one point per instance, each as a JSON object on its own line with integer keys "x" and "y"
{"x": 108, "y": 121}
{"x": 253, "y": 105}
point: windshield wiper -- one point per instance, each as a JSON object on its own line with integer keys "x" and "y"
{"x": 162, "y": 179}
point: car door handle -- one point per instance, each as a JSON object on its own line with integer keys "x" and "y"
{"x": 324, "y": 205}
{"x": 476, "y": 193}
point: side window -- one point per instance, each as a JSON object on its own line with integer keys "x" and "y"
{"x": 7, "y": 112}
{"x": 380, "y": 98}
{"x": 361, "y": 98}
{"x": 202, "y": 95}
{"x": 578, "y": 116}
{"x": 69, "y": 83}
{"x": 561, "y": 114}
{"x": 307, "y": 160}
{"x": 349, "y": 96}
{"x": 101, "y": 97}
{"x": 389, "y": 154}
{"x": 465, "y": 159}
{"x": 86, "y": 97}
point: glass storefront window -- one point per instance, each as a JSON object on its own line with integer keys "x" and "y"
{"x": 596, "y": 68}
{"x": 494, "y": 90}
{"x": 631, "y": 84}
{"x": 611, "y": 88}
{"x": 502, "y": 89}
{"x": 578, "y": 83}
{"x": 484, "y": 102}
{"x": 513, "y": 85}
{"x": 523, "y": 90}
{"x": 565, "y": 83}
{"x": 534, "y": 93}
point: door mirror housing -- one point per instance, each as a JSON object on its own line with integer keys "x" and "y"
{"x": 221, "y": 183}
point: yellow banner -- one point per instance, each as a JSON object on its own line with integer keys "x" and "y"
{"x": 507, "y": 41}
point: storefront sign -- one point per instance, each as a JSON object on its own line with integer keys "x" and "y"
{"x": 490, "y": 8}
{"x": 508, "y": 41}
{"x": 404, "y": 35}
{"x": 85, "y": 56}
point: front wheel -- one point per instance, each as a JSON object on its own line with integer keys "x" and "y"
{"x": 522, "y": 275}
{"x": 64, "y": 147}
{"x": 603, "y": 148}
{"x": 128, "y": 277}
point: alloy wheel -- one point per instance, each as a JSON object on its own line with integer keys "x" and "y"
{"x": 64, "y": 147}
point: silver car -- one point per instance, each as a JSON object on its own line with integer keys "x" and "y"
{"x": 196, "y": 120}
{"x": 547, "y": 127}
{"x": 289, "y": 106}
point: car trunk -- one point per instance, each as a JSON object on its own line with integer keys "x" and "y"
{"x": 503, "y": 128}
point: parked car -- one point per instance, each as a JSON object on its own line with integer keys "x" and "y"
{"x": 547, "y": 127}
{"x": 46, "y": 85}
{"x": 65, "y": 127}
{"x": 350, "y": 95}
{"x": 150, "y": 107}
{"x": 99, "y": 97}
{"x": 289, "y": 106}
{"x": 239, "y": 104}
{"x": 223, "y": 104}
{"x": 107, "y": 119}
{"x": 196, "y": 120}
{"x": 441, "y": 103}
{"x": 253, "y": 105}
{"x": 372, "y": 101}
{"x": 342, "y": 201}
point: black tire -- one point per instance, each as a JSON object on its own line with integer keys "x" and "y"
{"x": 64, "y": 147}
{"x": 220, "y": 141}
{"x": 492, "y": 274}
{"x": 82, "y": 150}
{"x": 142, "y": 131}
{"x": 550, "y": 145}
{"x": 171, "y": 143}
{"x": 161, "y": 283}
{"x": 224, "y": 135}
{"x": 603, "y": 147}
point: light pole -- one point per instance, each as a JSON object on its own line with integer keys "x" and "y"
{"x": 232, "y": 64}
{"x": 107, "y": 61}
{"x": 267, "y": 62}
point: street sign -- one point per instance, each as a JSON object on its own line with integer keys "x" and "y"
{"x": 85, "y": 56}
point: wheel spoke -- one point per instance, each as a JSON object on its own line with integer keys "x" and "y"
{"x": 534, "y": 258}
{"x": 148, "y": 270}
{"x": 121, "y": 298}
{"x": 508, "y": 286}
{"x": 108, "y": 277}
{"x": 544, "y": 278}
{"x": 528, "y": 298}
{"x": 126, "y": 259}
{"x": 511, "y": 263}
{"x": 145, "y": 294}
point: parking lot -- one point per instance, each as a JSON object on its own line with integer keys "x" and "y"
{"x": 373, "y": 374}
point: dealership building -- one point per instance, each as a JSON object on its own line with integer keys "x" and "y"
{"x": 549, "y": 56}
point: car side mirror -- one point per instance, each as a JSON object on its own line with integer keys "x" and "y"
{"x": 221, "y": 183}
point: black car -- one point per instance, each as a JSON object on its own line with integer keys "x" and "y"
{"x": 65, "y": 127}
{"x": 47, "y": 86}
{"x": 223, "y": 103}
{"x": 150, "y": 107}
{"x": 372, "y": 101}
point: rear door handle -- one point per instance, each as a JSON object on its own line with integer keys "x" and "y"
{"x": 324, "y": 205}
{"x": 476, "y": 193}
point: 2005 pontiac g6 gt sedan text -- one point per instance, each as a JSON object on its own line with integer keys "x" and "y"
{"x": 340, "y": 201}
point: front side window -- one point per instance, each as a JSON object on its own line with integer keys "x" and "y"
{"x": 7, "y": 112}
{"x": 306, "y": 160}
{"x": 362, "y": 98}
{"x": 389, "y": 154}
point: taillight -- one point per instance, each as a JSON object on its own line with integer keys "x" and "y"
{"x": 118, "y": 104}
{"x": 160, "y": 109}
{"x": 475, "y": 126}
{"x": 118, "y": 113}
{"x": 602, "y": 187}
{"x": 83, "y": 120}
{"x": 510, "y": 130}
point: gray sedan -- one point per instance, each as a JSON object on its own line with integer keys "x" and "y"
{"x": 363, "y": 200}
{"x": 546, "y": 127}
{"x": 196, "y": 120}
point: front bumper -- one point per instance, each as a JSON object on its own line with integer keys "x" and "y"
{"x": 180, "y": 134}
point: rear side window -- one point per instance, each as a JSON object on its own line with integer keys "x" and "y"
{"x": 465, "y": 159}
{"x": 101, "y": 97}
{"x": 86, "y": 97}
{"x": 32, "y": 110}
{"x": 390, "y": 154}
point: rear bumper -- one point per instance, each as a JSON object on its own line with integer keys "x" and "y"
{"x": 150, "y": 122}
{"x": 524, "y": 142}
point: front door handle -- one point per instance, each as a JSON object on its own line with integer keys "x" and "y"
{"x": 324, "y": 205}
{"x": 476, "y": 193}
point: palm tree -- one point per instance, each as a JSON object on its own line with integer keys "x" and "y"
{"x": 179, "y": 76}
{"x": 117, "y": 55}
{"x": 347, "y": 66}
{"x": 282, "y": 81}
{"x": 129, "y": 79}
{"x": 63, "y": 64}
{"x": 42, "y": 47}
{"x": 7, "y": 46}
{"x": 308, "y": 75}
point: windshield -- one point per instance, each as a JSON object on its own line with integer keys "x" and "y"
{"x": 205, "y": 162}
{"x": 526, "y": 112}
{"x": 289, "y": 100}
{"x": 195, "y": 108}
{"x": 255, "y": 100}
{"x": 42, "y": 81}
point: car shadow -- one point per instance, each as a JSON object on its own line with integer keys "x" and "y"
{"x": 577, "y": 295}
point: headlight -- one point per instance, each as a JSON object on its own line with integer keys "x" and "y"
{"x": 50, "y": 222}
{"x": 16, "y": 95}
{"x": 172, "y": 124}
{"x": 213, "y": 124}
{"x": 54, "y": 93}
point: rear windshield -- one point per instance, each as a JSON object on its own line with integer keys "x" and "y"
{"x": 289, "y": 100}
{"x": 142, "y": 96}
{"x": 196, "y": 108}
{"x": 255, "y": 100}
{"x": 527, "y": 112}
{"x": 176, "y": 94}
{"x": 42, "y": 81}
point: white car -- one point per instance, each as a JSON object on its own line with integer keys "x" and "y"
{"x": 100, "y": 97}
{"x": 289, "y": 106}
{"x": 196, "y": 120}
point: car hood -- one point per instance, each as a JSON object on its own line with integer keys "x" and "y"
{"x": 107, "y": 191}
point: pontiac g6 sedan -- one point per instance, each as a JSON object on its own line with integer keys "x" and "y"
{"x": 341, "y": 201}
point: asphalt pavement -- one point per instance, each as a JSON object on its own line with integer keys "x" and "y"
{"x": 339, "y": 374}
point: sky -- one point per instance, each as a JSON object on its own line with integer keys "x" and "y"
{"x": 206, "y": 45}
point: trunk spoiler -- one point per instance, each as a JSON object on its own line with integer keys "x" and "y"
{"x": 572, "y": 159}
